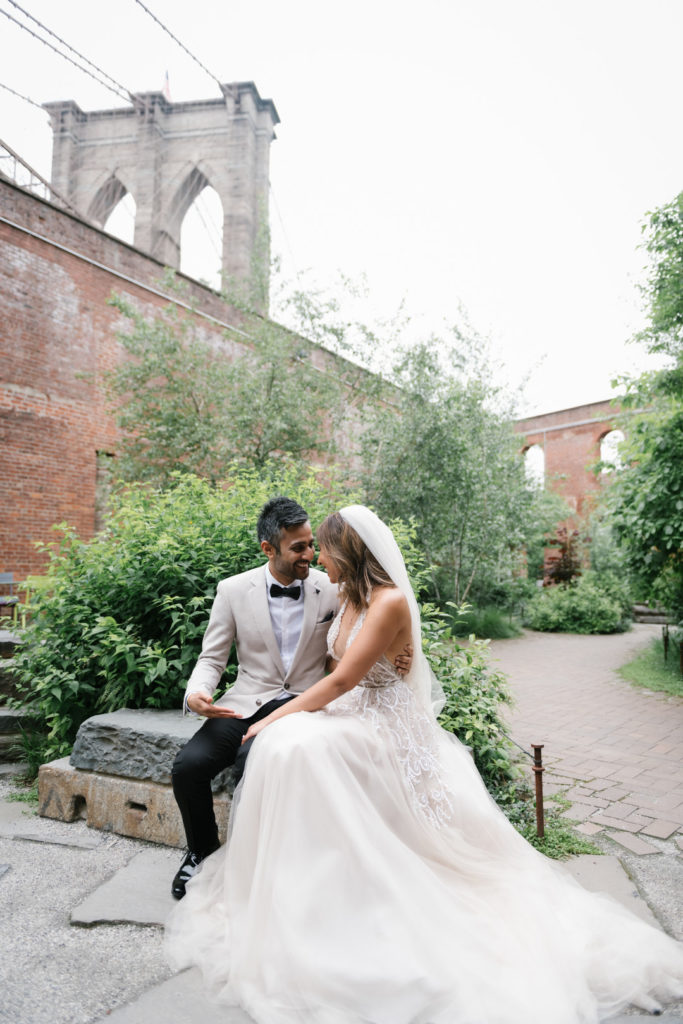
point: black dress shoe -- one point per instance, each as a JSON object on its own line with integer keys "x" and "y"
{"x": 187, "y": 869}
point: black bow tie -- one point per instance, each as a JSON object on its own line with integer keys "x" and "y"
{"x": 293, "y": 592}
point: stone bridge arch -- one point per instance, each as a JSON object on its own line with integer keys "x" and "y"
{"x": 165, "y": 154}
{"x": 107, "y": 197}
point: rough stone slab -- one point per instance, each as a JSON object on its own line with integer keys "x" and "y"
{"x": 11, "y": 719}
{"x": 11, "y": 748}
{"x": 604, "y": 873}
{"x": 180, "y": 1000}
{"x": 660, "y": 829}
{"x": 142, "y": 810}
{"x": 633, "y": 843}
{"x": 137, "y": 744}
{"x": 140, "y": 893}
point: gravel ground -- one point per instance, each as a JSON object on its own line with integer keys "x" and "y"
{"x": 658, "y": 878}
{"x": 50, "y": 971}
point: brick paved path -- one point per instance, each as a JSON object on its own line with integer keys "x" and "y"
{"x": 616, "y": 750}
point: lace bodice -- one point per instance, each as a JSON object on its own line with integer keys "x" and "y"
{"x": 385, "y": 700}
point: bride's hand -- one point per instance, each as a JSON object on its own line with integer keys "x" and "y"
{"x": 254, "y": 729}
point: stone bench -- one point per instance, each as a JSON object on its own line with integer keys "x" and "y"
{"x": 118, "y": 777}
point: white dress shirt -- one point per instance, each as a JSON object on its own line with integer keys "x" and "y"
{"x": 287, "y": 617}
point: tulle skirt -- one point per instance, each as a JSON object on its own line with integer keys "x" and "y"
{"x": 348, "y": 894}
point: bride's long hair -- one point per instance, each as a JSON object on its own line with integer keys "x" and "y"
{"x": 359, "y": 570}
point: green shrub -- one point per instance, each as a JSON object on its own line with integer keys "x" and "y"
{"x": 474, "y": 695}
{"x": 616, "y": 586}
{"x": 581, "y": 607}
{"x": 121, "y": 620}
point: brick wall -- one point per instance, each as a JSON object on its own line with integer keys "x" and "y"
{"x": 58, "y": 337}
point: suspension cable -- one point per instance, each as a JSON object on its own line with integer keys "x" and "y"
{"x": 181, "y": 45}
{"x": 118, "y": 90}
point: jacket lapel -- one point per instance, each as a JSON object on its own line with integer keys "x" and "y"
{"x": 258, "y": 603}
{"x": 311, "y": 605}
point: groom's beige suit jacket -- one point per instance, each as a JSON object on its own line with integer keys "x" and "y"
{"x": 240, "y": 614}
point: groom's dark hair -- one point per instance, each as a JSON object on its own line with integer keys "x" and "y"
{"x": 277, "y": 515}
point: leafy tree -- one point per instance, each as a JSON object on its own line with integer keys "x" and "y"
{"x": 663, "y": 296}
{"x": 646, "y": 497}
{"x": 188, "y": 402}
{"x": 447, "y": 456}
{"x": 646, "y": 501}
{"x": 565, "y": 567}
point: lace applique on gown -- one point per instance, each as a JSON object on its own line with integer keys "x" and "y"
{"x": 385, "y": 700}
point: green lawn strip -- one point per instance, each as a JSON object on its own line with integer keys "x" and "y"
{"x": 649, "y": 669}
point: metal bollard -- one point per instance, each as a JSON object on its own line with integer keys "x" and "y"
{"x": 538, "y": 775}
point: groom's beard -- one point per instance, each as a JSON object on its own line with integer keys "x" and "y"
{"x": 291, "y": 572}
{"x": 301, "y": 569}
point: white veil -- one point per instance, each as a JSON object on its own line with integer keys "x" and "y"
{"x": 379, "y": 539}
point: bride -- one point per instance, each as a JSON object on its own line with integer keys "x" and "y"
{"x": 369, "y": 878}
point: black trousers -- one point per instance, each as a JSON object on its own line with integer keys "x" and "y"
{"x": 215, "y": 746}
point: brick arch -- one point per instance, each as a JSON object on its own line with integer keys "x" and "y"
{"x": 571, "y": 439}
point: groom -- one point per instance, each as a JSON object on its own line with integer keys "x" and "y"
{"x": 278, "y": 616}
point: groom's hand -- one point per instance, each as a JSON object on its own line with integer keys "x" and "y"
{"x": 404, "y": 660}
{"x": 203, "y": 705}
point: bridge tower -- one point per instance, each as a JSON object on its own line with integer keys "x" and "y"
{"x": 164, "y": 154}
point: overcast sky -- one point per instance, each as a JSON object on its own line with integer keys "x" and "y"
{"x": 499, "y": 154}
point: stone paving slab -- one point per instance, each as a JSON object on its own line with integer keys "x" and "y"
{"x": 76, "y": 842}
{"x": 179, "y": 1000}
{"x": 13, "y": 815}
{"x": 139, "y": 893}
{"x": 604, "y": 873}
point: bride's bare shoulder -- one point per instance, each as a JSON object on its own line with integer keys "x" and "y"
{"x": 389, "y": 599}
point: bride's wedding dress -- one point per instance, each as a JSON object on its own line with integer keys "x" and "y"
{"x": 370, "y": 879}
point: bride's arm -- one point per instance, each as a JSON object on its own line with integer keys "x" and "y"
{"x": 386, "y": 617}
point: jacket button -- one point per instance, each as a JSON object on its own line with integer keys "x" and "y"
{"x": 286, "y": 686}
{"x": 258, "y": 703}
